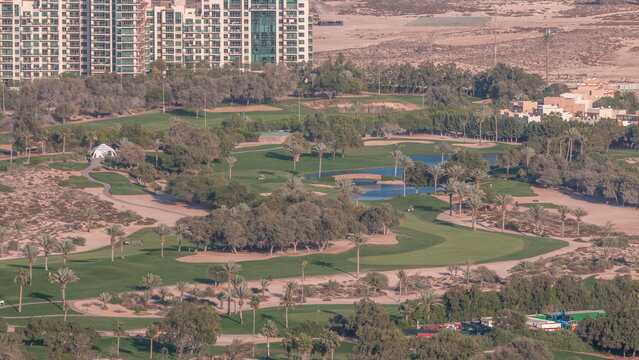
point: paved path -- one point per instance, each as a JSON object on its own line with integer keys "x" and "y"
{"x": 107, "y": 190}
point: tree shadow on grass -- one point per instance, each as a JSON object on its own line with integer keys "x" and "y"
{"x": 274, "y": 155}
{"x": 330, "y": 265}
{"x": 42, "y": 296}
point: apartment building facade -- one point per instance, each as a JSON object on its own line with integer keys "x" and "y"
{"x": 44, "y": 38}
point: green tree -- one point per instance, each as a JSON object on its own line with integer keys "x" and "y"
{"x": 228, "y": 271}
{"x": 118, "y": 331}
{"x": 502, "y": 201}
{"x": 65, "y": 247}
{"x": 48, "y": 244}
{"x": 304, "y": 345}
{"x": 231, "y": 162}
{"x": 181, "y": 231}
{"x": 397, "y": 155}
{"x": 475, "y": 203}
{"x": 22, "y": 278}
{"x": 509, "y": 320}
{"x": 538, "y": 214}
{"x": 30, "y": 253}
{"x": 358, "y": 240}
{"x": 150, "y": 281}
{"x": 242, "y": 293}
{"x": 151, "y": 332}
{"x": 429, "y": 299}
{"x": 189, "y": 327}
{"x": 163, "y": 230}
{"x": 436, "y": 172}
{"x": 63, "y": 277}
{"x": 255, "y": 305}
{"x": 405, "y": 163}
{"x": 297, "y": 146}
{"x": 269, "y": 330}
{"x": 303, "y": 263}
{"x": 288, "y": 300}
{"x": 579, "y": 214}
{"x": 443, "y": 148}
{"x": 105, "y": 298}
{"x": 115, "y": 232}
{"x": 563, "y": 211}
{"x": 330, "y": 340}
{"x": 320, "y": 148}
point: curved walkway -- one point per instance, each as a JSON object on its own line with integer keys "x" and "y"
{"x": 107, "y": 193}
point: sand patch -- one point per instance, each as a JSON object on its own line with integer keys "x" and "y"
{"x": 336, "y": 247}
{"x": 393, "y": 142}
{"x": 361, "y": 107}
{"x": 324, "y": 186}
{"x": 233, "y": 109}
{"x": 483, "y": 145}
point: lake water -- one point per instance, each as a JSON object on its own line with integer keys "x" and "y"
{"x": 375, "y": 191}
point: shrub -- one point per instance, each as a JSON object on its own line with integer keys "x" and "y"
{"x": 616, "y": 242}
{"x": 116, "y": 299}
{"x": 79, "y": 240}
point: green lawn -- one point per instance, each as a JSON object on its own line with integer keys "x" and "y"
{"x": 512, "y": 187}
{"x": 100, "y": 323}
{"x": 6, "y": 189}
{"x": 120, "y": 185}
{"x": 34, "y": 310}
{"x": 419, "y": 232}
{"x": 80, "y": 182}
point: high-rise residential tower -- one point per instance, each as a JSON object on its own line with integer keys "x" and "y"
{"x": 43, "y": 38}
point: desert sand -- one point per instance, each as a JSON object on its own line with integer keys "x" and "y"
{"x": 238, "y": 109}
{"x": 483, "y": 145}
{"x": 393, "y": 142}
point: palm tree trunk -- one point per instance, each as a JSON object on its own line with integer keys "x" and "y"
{"x": 122, "y": 249}
{"x": 20, "y": 300}
{"x": 395, "y": 169}
{"x": 161, "y": 248}
{"x": 117, "y": 350}
{"x": 46, "y": 263}
{"x": 253, "y": 345}
{"x": 268, "y": 347}
{"x": 228, "y": 300}
{"x": 112, "y": 252}
{"x": 64, "y": 298}
{"x": 294, "y": 166}
{"x": 179, "y": 240}
{"x": 503, "y": 220}
{"x": 64, "y": 144}
{"x": 151, "y": 350}
{"x": 241, "y": 317}
{"x": 562, "y": 229}
{"x": 480, "y": 133}
{"x": 319, "y": 175}
{"x": 30, "y": 273}
{"x": 450, "y": 203}
{"x": 332, "y": 353}
{"x": 286, "y": 315}
{"x": 357, "y": 262}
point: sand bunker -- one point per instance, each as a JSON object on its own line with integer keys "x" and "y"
{"x": 231, "y": 109}
{"x": 483, "y": 145}
{"x": 393, "y": 142}
{"x": 335, "y": 248}
{"x": 324, "y": 186}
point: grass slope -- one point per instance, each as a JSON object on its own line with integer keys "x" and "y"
{"x": 120, "y": 185}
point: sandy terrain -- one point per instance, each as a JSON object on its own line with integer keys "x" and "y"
{"x": 314, "y": 192}
{"x": 363, "y": 107}
{"x": 588, "y": 40}
{"x": 237, "y": 109}
{"x": 482, "y": 145}
{"x": 393, "y": 142}
{"x": 324, "y": 186}
{"x": 336, "y": 247}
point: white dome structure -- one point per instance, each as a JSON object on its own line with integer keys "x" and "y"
{"x": 102, "y": 151}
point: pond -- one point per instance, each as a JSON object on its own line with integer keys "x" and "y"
{"x": 373, "y": 191}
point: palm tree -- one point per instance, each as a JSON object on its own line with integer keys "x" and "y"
{"x": 303, "y": 264}
{"x": 345, "y": 186}
{"x": 478, "y": 175}
{"x": 357, "y": 192}
{"x": 163, "y": 230}
{"x": 571, "y": 134}
{"x": 563, "y": 211}
{"x": 475, "y": 203}
{"x": 231, "y": 162}
{"x": 48, "y": 244}
{"x": 63, "y": 277}
{"x": 3, "y": 232}
{"x": 468, "y": 273}
{"x": 358, "y": 240}
{"x": 150, "y": 281}
{"x": 524, "y": 266}
{"x": 456, "y": 172}
{"x": 118, "y": 332}
{"x": 151, "y": 332}
{"x": 18, "y": 227}
{"x": 401, "y": 277}
{"x": 304, "y": 346}
{"x": 269, "y": 330}
{"x": 264, "y": 283}
{"x": 105, "y": 298}
{"x": 405, "y": 162}
{"x": 407, "y": 308}
{"x": 288, "y": 299}
{"x": 157, "y": 145}
{"x": 65, "y": 247}
{"x": 528, "y": 153}
{"x": 443, "y": 148}
{"x": 228, "y": 271}
{"x": 547, "y": 40}
{"x": 452, "y": 270}
{"x": 320, "y": 148}
{"x": 579, "y": 213}
{"x": 460, "y": 189}
{"x": 242, "y": 293}
{"x": 254, "y": 304}
{"x": 538, "y": 214}
{"x": 296, "y": 151}
{"x": 21, "y": 278}
{"x": 436, "y": 172}
{"x": 180, "y": 232}
{"x": 429, "y": 299}
{"x": 30, "y": 253}
{"x": 114, "y": 232}
{"x": 295, "y": 183}
{"x": 182, "y": 287}
{"x": 331, "y": 341}
{"x": 502, "y": 201}
{"x": 397, "y": 155}
{"x": 449, "y": 189}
